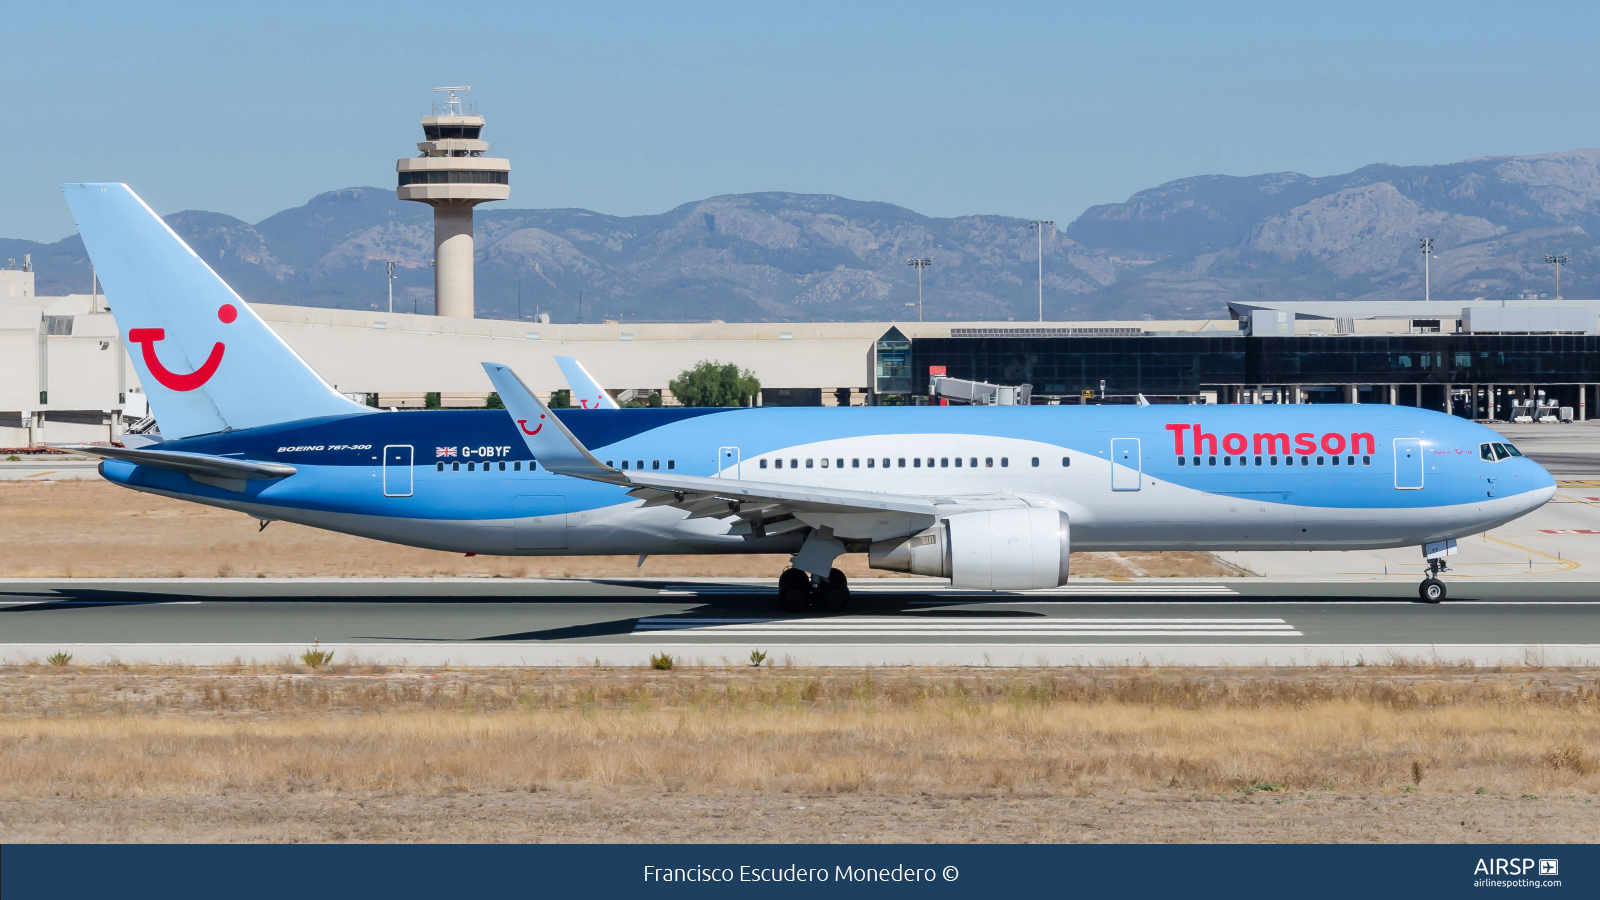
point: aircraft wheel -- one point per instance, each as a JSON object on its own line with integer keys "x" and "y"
{"x": 1432, "y": 590}
{"x": 835, "y": 595}
{"x": 794, "y": 591}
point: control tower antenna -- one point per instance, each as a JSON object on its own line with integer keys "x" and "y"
{"x": 452, "y": 174}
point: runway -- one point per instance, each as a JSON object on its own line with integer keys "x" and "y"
{"x": 892, "y": 622}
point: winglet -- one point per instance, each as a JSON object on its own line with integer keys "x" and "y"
{"x": 556, "y": 448}
{"x": 585, "y": 390}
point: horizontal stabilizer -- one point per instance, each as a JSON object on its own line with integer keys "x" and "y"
{"x": 218, "y": 471}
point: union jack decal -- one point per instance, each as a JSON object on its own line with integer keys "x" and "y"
{"x": 445, "y": 451}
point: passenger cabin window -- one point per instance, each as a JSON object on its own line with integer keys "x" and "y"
{"x": 958, "y": 462}
{"x": 672, "y": 464}
{"x": 472, "y": 467}
{"x": 808, "y": 462}
{"x": 624, "y": 464}
{"x": 856, "y": 463}
{"x": 824, "y": 462}
{"x": 1066, "y": 461}
{"x": 1334, "y": 459}
{"x": 517, "y": 466}
{"x": 655, "y": 463}
{"x": 455, "y": 467}
{"x": 974, "y": 462}
{"x": 439, "y": 467}
{"x": 1182, "y": 461}
{"x": 988, "y": 462}
{"x": 1319, "y": 460}
{"x": 871, "y": 462}
{"x": 794, "y": 463}
{"x": 1036, "y": 462}
{"x": 839, "y": 463}
{"x": 1211, "y": 460}
{"x": 502, "y": 466}
{"x": 763, "y": 464}
{"x": 1005, "y": 462}
{"x": 916, "y": 463}
{"x": 886, "y": 462}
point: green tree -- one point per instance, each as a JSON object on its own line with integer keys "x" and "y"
{"x": 713, "y": 384}
{"x": 561, "y": 399}
{"x": 494, "y": 402}
{"x": 652, "y": 400}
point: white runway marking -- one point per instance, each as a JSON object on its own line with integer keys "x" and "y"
{"x": 985, "y": 627}
{"x": 1096, "y": 590}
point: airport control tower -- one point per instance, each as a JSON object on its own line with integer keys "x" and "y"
{"x": 452, "y": 175}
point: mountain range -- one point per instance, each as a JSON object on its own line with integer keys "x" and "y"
{"x": 1180, "y": 250}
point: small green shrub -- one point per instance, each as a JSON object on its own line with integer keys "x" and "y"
{"x": 757, "y": 657}
{"x": 317, "y": 657}
{"x": 1409, "y": 789}
{"x": 59, "y": 658}
{"x": 13, "y": 458}
{"x": 661, "y": 661}
{"x": 1480, "y": 792}
{"x": 1530, "y": 796}
{"x": 1258, "y": 787}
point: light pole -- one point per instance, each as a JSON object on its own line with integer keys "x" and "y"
{"x": 391, "y": 264}
{"x": 1038, "y": 225}
{"x": 919, "y": 264}
{"x": 1558, "y": 262}
{"x": 1427, "y": 255}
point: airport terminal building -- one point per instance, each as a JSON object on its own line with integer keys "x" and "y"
{"x": 65, "y": 376}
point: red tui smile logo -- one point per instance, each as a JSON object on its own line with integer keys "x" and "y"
{"x": 146, "y": 338}
{"x": 523, "y": 424}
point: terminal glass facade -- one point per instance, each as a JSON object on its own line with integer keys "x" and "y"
{"x": 1424, "y": 359}
{"x": 1059, "y": 367}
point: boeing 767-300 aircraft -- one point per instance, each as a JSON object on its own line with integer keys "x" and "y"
{"x": 988, "y": 497}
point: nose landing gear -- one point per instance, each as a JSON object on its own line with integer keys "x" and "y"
{"x": 1432, "y": 589}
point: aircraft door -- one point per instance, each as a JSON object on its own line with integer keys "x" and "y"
{"x": 728, "y": 462}
{"x": 1408, "y": 464}
{"x": 397, "y": 470}
{"x": 1126, "y": 471}
{"x": 540, "y": 521}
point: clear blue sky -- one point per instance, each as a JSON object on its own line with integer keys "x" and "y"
{"x": 1022, "y": 109}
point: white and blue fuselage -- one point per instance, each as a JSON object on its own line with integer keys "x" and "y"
{"x": 1130, "y": 478}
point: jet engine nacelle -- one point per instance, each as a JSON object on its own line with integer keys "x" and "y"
{"x": 998, "y": 550}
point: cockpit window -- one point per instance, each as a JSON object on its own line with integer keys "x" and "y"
{"x": 1486, "y": 451}
{"x": 1500, "y": 452}
{"x": 1512, "y": 450}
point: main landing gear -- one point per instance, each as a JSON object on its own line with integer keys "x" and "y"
{"x": 1432, "y": 589}
{"x": 798, "y": 591}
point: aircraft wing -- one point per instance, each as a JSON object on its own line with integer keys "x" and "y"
{"x": 218, "y": 471}
{"x": 852, "y": 513}
{"x": 586, "y": 392}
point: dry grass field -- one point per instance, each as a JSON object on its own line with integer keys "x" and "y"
{"x": 93, "y": 529}
{"x": 791, "y": 755}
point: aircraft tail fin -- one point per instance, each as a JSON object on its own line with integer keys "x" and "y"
{"x": 586, "y": 392}
{"x": 207, "y": 362}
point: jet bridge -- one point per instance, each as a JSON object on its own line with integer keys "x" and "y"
{"x": 979, "y": 393}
